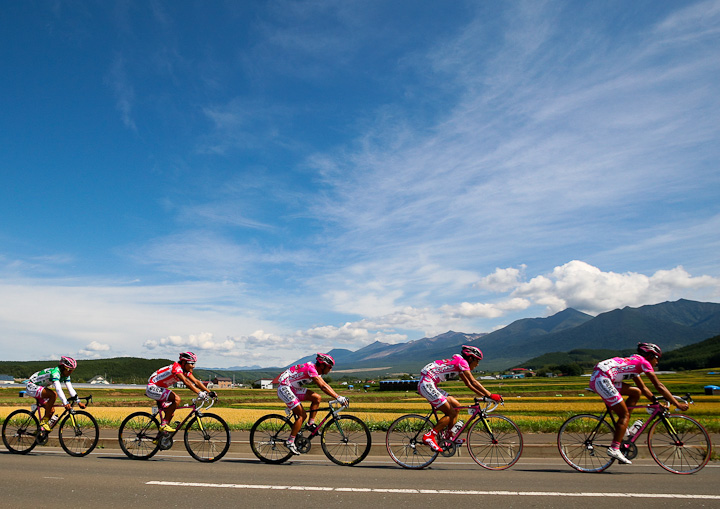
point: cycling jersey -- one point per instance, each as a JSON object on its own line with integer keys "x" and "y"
{"x": 166, "y": 376}
{"x": 618, "y": 369}
{"x": 445, "y": 369}
{"x": 50, "y": 377}
{"x": 299, "y": 375}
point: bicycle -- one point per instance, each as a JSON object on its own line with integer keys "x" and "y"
{"x": 494, "y": 441}
{"x": 345, "y": 439}
{"x": 207, "y": 435}
{"x": 677, "y": 443}
{"x": 78, "y": 430}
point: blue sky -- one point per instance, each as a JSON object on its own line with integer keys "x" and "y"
{"x": 256, "y": 181}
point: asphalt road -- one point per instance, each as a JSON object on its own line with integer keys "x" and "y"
{"x": 107, "y": 479}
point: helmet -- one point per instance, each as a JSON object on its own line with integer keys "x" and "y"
{"x": 188, "y": 356}
{"x": 68, "y": 362}
{"x": 324, "y": 358}
{"x": 471, "y": 351}
{"x": 651, "y": 348}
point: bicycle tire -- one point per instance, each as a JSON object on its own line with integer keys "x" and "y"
{"x": 20, "y": 430}
{"x": 688, "y": 456}
{"x": 80, "y": 438}
{"x": 139, "y": 436}
{"x": 349, "y": 447}
{"x": 498, "y": 447}
{"x": 404, "y": 442}
{"x": 268, "y": 437}
{"x": 580, "y": 449}
{"x": 209, "y": 442}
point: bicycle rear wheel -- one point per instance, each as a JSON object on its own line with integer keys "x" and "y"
{"x": 679, "y": 444}
{"x": 346, "y": 440}
{"x": 19, "y": 431}
{"x": 79, "y": 433}
{"x": 207, "y": 437}
{"x": 583, "y": 441}
{"x": 139, "y": 436}
{"x": 495, "y": 443}
{"x": 404, "y": 442}
{"x": 268, "y": 437}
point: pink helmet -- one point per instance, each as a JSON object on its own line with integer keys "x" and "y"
{"x": 651, "y": 348}
{"x": 188, "y": 356}
{"x": 324, "y": 358}
{"x": 471, "y": 351}
{"x": 68, "y": 362}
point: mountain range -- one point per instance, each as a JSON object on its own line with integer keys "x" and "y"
{"x": 669, "y": 324}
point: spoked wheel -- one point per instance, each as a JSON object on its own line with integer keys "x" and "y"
{"x": 268, "y": 437}
{"x": 19, "y": 431}
{"x": 495, "y": 442}
{"x": 680, "y": 444}
{"x": 346, "y": 440}
{"x": 583, "y": 441}
{"x": 140, "y": 436}
{"x": 404, "y": 442}
{"x": 79, "y": 433}
{"x": 207, "y": 437}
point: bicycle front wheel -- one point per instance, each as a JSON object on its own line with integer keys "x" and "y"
{"x": 495, "y": 442}
{"x": 679, "y": 444}
{"x": 79, "y": 433}
{"x": 583, "y": 441}
{"x": 346, "y": 440}
{"x": 207, "y": 437}
{"x": 268, "y": 437}
{"x": 19, "y": 431}
{"x": 139, "y": 436}
{"x": 404, "y": 442}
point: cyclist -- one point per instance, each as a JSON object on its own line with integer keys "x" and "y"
{"x": 160, "y": 381}
{"x": 292, "y": 392}
{"x": 607, "y": 381}
{"x": 440, "y": 371}
{"x": 39, "y": 386}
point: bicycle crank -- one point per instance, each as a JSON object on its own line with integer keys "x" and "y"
{"x": 629, "y": 449}
{"x": 166, "y": 443}
{"x": 303, "y": 444}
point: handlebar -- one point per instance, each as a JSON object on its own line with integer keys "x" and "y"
{"x": 76, "y": 399}
{"x": 685, "y": 399}
{"x": 490, "y": 404}
{"x": 339, "y": 405}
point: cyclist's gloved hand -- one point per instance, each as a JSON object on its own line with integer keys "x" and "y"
{"x": 496, "y": 397}
{"x": 202, "y": 395}
{"x": 213, "y": 394}
{"x": 342, "y": 400}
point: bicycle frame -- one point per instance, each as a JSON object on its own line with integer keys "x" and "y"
{"x": 334, "y": 412}
{"x": 197, "y": 409}
{"x": 36, "y": 410}
{"x": 475, "y": 411}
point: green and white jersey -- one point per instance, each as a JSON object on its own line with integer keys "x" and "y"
{"x": 47, "y": 377}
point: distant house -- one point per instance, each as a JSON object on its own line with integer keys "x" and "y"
{"x": 99, "y": 380}
{"x": 264, "y": 383}
{"x": 6, "y": 379}
{"x": 222, "y": 382}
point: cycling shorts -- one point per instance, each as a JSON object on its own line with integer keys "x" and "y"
{"x": 292, "y": 396}
{"x": 34, "y": 391}
{"x": 605, "y": 388}
{"x": 428, "y": 390}
{"x": 157, "y": 393}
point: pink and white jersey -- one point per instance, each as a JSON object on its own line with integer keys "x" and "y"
{"x": 165, "y": 377}
{"x": 299, "y": 375}
{"x": 622, "y": 368}
{"x": 443, "y": 369}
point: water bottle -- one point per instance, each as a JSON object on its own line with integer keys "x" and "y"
{"x": 456, "y": 428}
{"x": 53, "y": 420}
{"x": 635, "y": 427}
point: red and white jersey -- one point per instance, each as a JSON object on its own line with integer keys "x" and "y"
{"x": 622, "y": 368}
{"x": 443, "y": 369}
{"x": 165, "y": 377}
{"x": 299, "y": 375}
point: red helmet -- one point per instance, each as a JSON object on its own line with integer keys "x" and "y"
{"x": 68, "y": 362}
{"x": 188, "y": 356}
{"x": 471, "y": 351}
{"x": 323, "y": 358}
{"x": 651, "y": 348}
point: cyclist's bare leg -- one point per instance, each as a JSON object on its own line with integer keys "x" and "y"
{"x": 174, "y": 401}
{"x": 450, "y": 409}
{"x": 314, "y": 399}
{"x": 621, "y": 411}
{"x": 299, "y": 412}
{"x": 633, "y": 394}
{"x": 49, "y": 396}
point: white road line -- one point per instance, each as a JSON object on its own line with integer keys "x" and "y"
{"x": 436, "y": 492}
